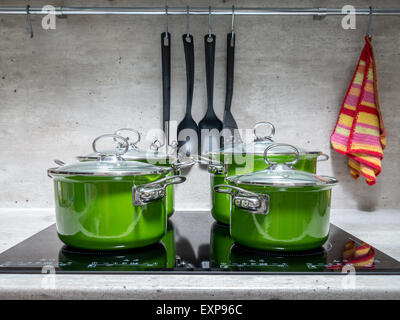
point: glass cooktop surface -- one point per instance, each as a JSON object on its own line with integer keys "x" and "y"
{"x": 194, "y": 243}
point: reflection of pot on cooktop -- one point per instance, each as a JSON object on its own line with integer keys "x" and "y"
{"x": 168, "y": 240}
{"x": 220, "y": 245}
{"x": 152, "y": 257}
{"x": 247, "y": 259}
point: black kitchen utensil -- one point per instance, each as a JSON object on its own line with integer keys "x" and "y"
{"x": 230, "y": 127}
{"x": 166, "y": 81}
{"x": 188, "y": 131}
{"x": 210, "y": 126}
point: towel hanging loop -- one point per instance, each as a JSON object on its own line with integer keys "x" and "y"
{"x": 369, "y": 27}
{"x": 28, "y": 21}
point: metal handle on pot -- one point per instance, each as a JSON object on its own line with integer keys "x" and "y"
{"x": 267, "y": 137}
{"x": 132, "y": 144}
{"x": 275, "y": 145}
{"x": 146, "y": 193}
{"x": 124, "y": 147}
{"x": 214, "y": 166}
{"x": 324, "y": 156}
{"x": 246, "y": 200}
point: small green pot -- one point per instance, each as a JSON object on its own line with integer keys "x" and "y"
{"x": 247, "y": 158}
{"x": 279, "y": 208}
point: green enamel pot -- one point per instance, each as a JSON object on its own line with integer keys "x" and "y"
{"x": 279, "y": 208}
{"x": 247, "y": 158}
{"x": 152, "y": 156}
{"x": 111, "y": 204}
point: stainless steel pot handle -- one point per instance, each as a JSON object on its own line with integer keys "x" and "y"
{"x": 214, "y": 166}
{"x": 146, "y": 193}
{"x": 117, "y": 153}
{"x": 246, "y": 200}
{"x": 178, "y": 166}
{"x": 324, "y": 156}
{"x": 132, "y": 144}
{"x": 275, "y": 145}
{"x": 267, "y": 137}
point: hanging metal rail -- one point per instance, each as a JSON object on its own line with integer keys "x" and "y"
{"x": 199, "y": 11}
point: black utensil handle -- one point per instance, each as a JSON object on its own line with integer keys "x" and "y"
{"x": 230, "y": 62}
{"x": 209, "y": 44}
{"x": 166, "y": 75}
{"x": 189, "y": 58}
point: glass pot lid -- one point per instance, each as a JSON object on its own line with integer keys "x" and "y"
{"x": 261, "y": 142}
{"x": 282, "y": 174}
{"x": 134, "y": 152}
{"x": 108, "y": 163}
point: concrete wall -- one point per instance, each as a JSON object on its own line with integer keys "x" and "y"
{"x": 94, "y": 74}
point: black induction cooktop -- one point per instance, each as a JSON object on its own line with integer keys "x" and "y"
{"x": 195, "y": 244}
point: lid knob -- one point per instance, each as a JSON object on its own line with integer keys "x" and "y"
{"x": 131, "y": 144}
{"x": 264, "y": 124}
{"x": 118, "y": 152}
{"x": 277, "y": 145}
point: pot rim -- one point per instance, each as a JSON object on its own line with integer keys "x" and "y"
{"x": 332, "y": 181}
{"x": 56, "y": 172}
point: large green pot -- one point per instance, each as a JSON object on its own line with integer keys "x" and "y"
{"x": 279, "y": 208}
{"x": 247, "y": 158}
{"x": 152, "y": 156}
{"x": 111, "y": 203}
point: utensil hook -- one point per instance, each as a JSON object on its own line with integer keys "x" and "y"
{"x": 166, "y": 22}
{"x": 233, "y": 22}
{"x": 209, "y": 22}
{"x": 369, "y": 28}
{"x": 187, "y": 23}
{"x": 28, "y": 21}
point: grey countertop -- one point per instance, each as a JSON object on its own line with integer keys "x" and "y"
{"x": 379, "y": 228}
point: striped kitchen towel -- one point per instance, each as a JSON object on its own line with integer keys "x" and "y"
{"x": 359, "y": 132}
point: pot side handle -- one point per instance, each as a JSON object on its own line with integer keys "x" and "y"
{"x": 246, "y": 200}
{"x": 146, "y": 193}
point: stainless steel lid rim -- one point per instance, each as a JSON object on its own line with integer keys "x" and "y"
{"x": 283, "y": 185}
{"x": 55, "y": 172}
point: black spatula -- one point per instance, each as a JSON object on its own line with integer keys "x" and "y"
{"x": 210, "y": 126}
{"x": 230, "y": 127}
{"x": 188, "y": 131}
{"x": 166, "y": 81}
